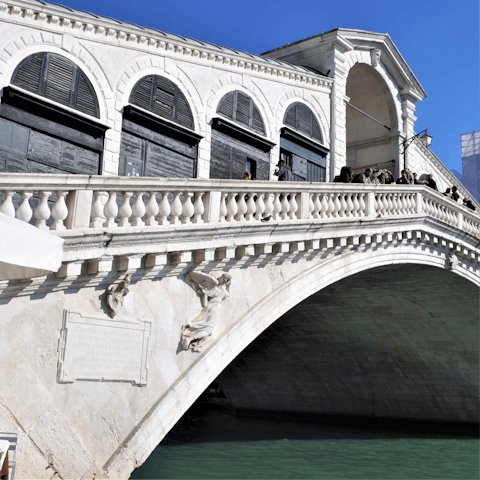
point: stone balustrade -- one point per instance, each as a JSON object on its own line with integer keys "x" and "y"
{"x": 69, "y": 202}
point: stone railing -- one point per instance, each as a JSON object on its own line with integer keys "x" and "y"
{"x": 72, "y": 202}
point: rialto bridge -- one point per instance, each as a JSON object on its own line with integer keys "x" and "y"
{"x": 351, "y": 300}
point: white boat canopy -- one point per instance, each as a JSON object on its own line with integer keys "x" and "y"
{"x": 26, "y": 251}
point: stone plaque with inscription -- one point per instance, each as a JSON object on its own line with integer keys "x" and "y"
{"x": 103, "y": 350}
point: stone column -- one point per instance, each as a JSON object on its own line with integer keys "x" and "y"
{"x": 408, "y": 109}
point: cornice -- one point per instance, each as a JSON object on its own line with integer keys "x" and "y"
{"x": 107, "y": 30}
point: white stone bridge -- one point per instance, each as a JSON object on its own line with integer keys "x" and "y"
{"x": 350, "y": 300}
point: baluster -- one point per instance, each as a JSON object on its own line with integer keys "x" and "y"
{"x": 199, "y": 208}
{"x": 241, "y": 208}
{"x": 361, "y": 204}
{"x": 293, "y": 206}
{"x": 176, "y": 208}
{"x": 410, "y": 204}
{"x": 268, "y": 205}
{"x": 251, "y": 208}
{"x": 426, "y": 205}
{"x": 232, "y": 207}
{"x": 187, "y": 209}
{"x": 59, "y": 211}
{"x": 390, "y": 204}
{"x": 97, "y": 210}
{"x": 395, "y": 204}
{"x": 42, "y": 212}
{"x": 325, "y": 206}
{"x": 223, "y": 208}
{"x": 110, "y": 210}
{"x": 351, "y": 210}
{"x": 125, "y": 210}
{"x": 404, "y": 204}
{"x": 343, "y": 206}
{"x": 24, "y": 211}
{"x": 379, "y": 208}
{"x": 355, "y": 205}
{"x": 138, "y": 210}
{"x": 285, "y": 206}
{"x": 311, "y": 206}
{"x": 277, "y": 207}
{"x": 331, "y": 205}
{"x": 317, "y": 206}
{"x": 7, "y": 205}
{"x": 164, "y": 209}
{"x": 151, "y": 209}
{"x": 259, "y": 207}
{"x": 336, "y": 206}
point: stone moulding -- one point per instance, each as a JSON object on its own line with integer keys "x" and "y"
{"x": 101, "y": 350}
{"x": 76, "y": 22}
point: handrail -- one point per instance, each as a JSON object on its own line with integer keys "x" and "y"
{"x": 60, "y": 202}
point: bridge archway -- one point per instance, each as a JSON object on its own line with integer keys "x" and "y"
{"x": 244, "y": 330}
{"x": 369, "y": 141}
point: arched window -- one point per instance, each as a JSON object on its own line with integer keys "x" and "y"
{"x": 59, "y": 79}
{"x": 301, "y": 144}
{"x": 238, "y": 145}
{"x": 158, "y": 137}
{"x": 301, "y": 118}
{"x": 240, "y": 108}
{"x": 163, "y": 98}
{"x": 38, "y": 134}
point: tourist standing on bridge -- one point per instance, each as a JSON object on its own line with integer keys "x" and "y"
{"x": 283, "y": 172}
{"x": 455, "y": 195}
{"x": 363, "y": 177}
{"x": 431, "y": 182}
{"x": 346, "y": 175}
{"x": 403, "y": 180}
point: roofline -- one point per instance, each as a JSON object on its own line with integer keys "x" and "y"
{"x": 385, "y": 38}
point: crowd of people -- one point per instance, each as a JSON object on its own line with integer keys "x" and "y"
{"x": 385, "y": 177}
{"x": 376, "y": 177}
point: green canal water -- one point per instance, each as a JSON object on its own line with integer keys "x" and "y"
{"x": 210, "y": 443}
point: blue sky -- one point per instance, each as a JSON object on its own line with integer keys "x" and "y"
{"x": 439, "y": 40}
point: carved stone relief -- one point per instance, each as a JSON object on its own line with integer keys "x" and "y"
{"x": 451, "y": 262}
{"x": 213, "y": 291}
{"x": 375, "y": 56}
{"x": 116, "y": 294}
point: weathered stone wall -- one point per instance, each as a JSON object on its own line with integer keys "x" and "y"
{"x": 395, "y": 342}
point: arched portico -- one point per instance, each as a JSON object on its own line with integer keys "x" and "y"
{"x": 243, "y": 331}
{"x": 371, "y": 118}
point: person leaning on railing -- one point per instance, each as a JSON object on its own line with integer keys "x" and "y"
{"x": 403, "y": 180}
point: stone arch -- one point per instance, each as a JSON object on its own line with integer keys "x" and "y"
{"x": 181, "y": 395}
{"x": 300, "y": 95}
{"x": 145, "y": 65}
{"x": 229, "y": 82}
{"x": 363, "y": 57}
{"x": 25, "y": 44}
{"x": 371, "y": 89}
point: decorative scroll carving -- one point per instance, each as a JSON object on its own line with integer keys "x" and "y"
{"x": 213, "y": 291}
{"x": 375, "y": 56}
{"x": 451, "y": 262}
{"x": 116, "y": 294}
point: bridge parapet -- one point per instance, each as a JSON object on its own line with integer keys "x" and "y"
{"x": 146, "y": 222}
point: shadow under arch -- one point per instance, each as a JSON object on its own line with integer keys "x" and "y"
{"x": 371, "y": 139}
{"x": 182, "y": 394}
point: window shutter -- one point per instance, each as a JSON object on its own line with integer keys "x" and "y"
{"x": 86, "y": 100}
{"x": 184, "y": 114}
{"x": 29, "y": 73}
{"x": 58, "y": 79}
{"x": 300, "y": 117}
{"x": 142, "y": 92}
{"x": 240, "y": 107}
{"x": 291, "y": 115}
{"x": 226, "y": 105}
{"x": 243, "y": 108}
{"x": 162, "y": 97}
{"x": 60, "y": 74}
{"x": 257, "y": 122}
